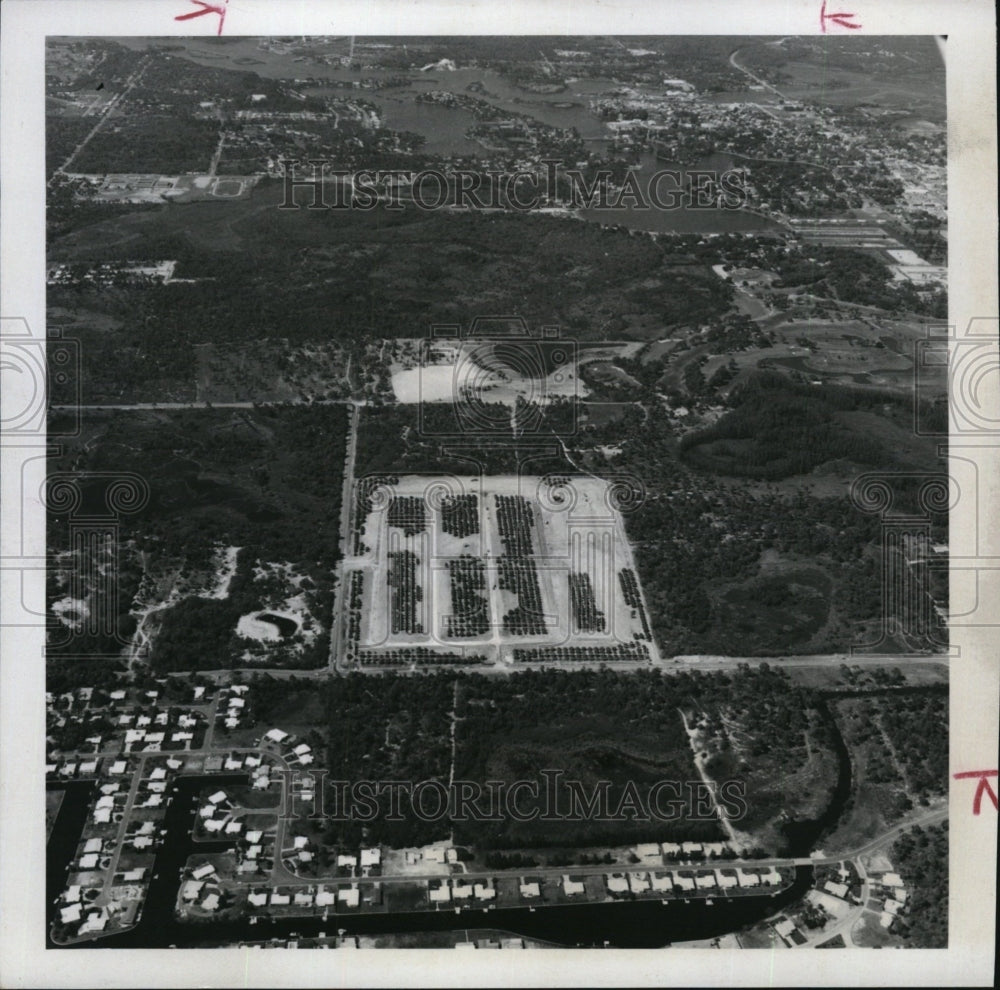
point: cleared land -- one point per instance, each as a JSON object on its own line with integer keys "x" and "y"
{"x": 506, "y": 568}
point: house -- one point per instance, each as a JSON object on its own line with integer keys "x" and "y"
{"x": 617, "y": 884}
{"x": 324, "y": 898}
{"x": 280, "y": 899}
{"x": 302, "y": 749}
{"x": 305, "y": 857}
{"x": 158, "y": 774}
{"x": 233, "y": 763}
{"x": 234, "y": 828}
{"x": 70, "y": 914}
{"x": 232, "y": 722}
{"x": 704, "y": 880}
{"x": 306, "y": 759}
{"x": 434, "y": 855}
{"x": 892, "y": 907}
{"x": 691, "y": 847}
{"x": 236, "y": 703}
{"x": 133, "y": 876}
{"x": 784, "y": 928}
{"x": 254, "y": 852}
{"x": 210, "y": 903}
{"x": 174, "y": 764}
{"x": 440, "y": 894}
{"x": 837, "y": 889}
{"x": 95, "y": 923}
{"x": 572, "y": 887}
{"x": 72, "y": 894}
{"x": 349, "y": 861}
{"x": 451, "y": 855}
{"x": 461, "y": 891}
{"x": 93, "y": 845}
{"x": 275, "y": 736}
{"x": 142, "y": 721}
{"x": 648, "y": 850}
{"x": 199, "y": 692}
{"x": 181, "y": 736}
{"x": 119, "y": 767}
{"x": 885, "y": 919}
{"x": 111, "y": 788}
{"x": 300, "y": 842}
{"x": 662, "y": 882}
{"x": 748, "y": 879}
{"x": 155, "y": 738}
{"x": 217, "y": 798}
{"x": 118, "y": 695}
{"x": 203, "y": 871}
{"x": 304, "y": 898}
{"x": 671, "y": 849}
{"x": 349, "y": 895}
{"x": 892, "y": 880}
{"x": 772, "y": 878}
{"x": 107, "y": 801}
{"x": 484, "y": 892}
{"x": 685, "y": 883}
{"x": 102, "y": 816}
{"x": 88, "y": 862}
{"x": 89, "y": 767}
{"x": 191, "y": 890}
{"x": 257, "y": 900}
{"x": 725, "y": 881}
{"x": 370, "y": 857}
{"x": 638, "y": 883}
{"x": 531, "y": 890}
{"x": 206, "y": 811}
{"x": 254, "y": 835}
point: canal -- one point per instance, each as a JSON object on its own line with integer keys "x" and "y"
{"x": 625, "y": 924}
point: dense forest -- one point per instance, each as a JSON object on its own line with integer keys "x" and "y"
{"x": 920, "y": 857}
{"x": 268, "y": 481}
{"x": 776, "y": 429}
{"x": 596, "y": 725}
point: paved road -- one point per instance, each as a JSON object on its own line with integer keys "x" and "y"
{"x": 338, "y": 632}
{"x": 167, "y": 406}
{"x": 107, "y": 114}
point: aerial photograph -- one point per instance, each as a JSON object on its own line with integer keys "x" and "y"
{"x": 497, "y": 492}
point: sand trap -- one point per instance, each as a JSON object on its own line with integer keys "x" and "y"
{"x": 253, "y": 627}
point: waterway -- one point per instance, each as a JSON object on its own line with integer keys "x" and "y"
{"x": 445, "y": 128}
{"x": 627, "y": 924}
